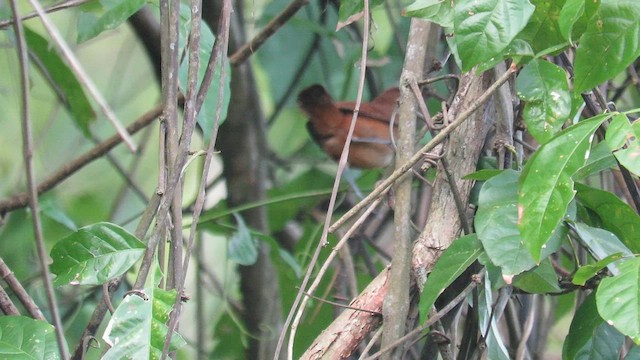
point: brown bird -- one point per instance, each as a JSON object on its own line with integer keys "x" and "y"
{"x": 329, "y": 124}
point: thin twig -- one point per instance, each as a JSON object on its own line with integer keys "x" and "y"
{"x": 20, "y": 200}
{"x": 82, "y": 76}
{"x": 252, "y": 46}
{"x": 53, "y": 8}
{"x": 27, "y": 151}
{"x": 433, "y": 319}
{"x": 342, "y": 163}
{"x": 219, "y": 53}
{"x": 337, "y": 304}
{"x": 25, "y": 299}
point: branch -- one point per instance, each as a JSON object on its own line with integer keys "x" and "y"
{"x": 252, "y": 46}
{"x": 21, "y": 200}
{"x": 32, "y": 194}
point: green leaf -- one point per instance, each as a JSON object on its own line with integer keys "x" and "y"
{"x": 574, "y": 16}
{"x": 25, "y": 338}
{"x": 437, "y": 11}
{"x": 243, "y": 248}
{"x": 583, "y": 326}
{"x": 616, "y": 215}
{"x": 586, "y": 272}
{"x": 600, "y": 158}
{"x": 483, "y": 29}
{"x": 303, "y": 192}
{"x": 610, "y": 43}
{"x": 497, "y": 228}
{"x": 63, "y": 80}
{"x": 453, "y": 262}
{"x": 207, "y": 115}
{"x": 542, "y": 31}
{"x": 95, "y": 254}
{"x": 350, "y": 10}
{"x": 604, "y": 345}
{"x": 138, "y": 328}
{"x": 601, "y": 243}
{"x": 623, "y": 139}
{"x": 618, "y": 299}
{"x": 55, "y": 213}
{"x": 114, "y": 13}
{"x": 544, "y": 89}
{"x": 546, "y": 187}
{"x": 540, "y": 280}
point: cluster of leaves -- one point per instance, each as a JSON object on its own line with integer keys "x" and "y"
{"x": 528, "y": 221}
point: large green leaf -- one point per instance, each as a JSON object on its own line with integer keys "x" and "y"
{"x": 112, "y": 14}
{"x": 623, "y": 138}
{"x": 437, "y": 11}
{"x": 484, "y": 28}
{"x": 138, "y": 328}
{"x": 610, "y": 43}
{"x": 546, "y": 187}
{"x": 618, "y": 299}
{"x": 207, "y": 115}
{"x": 95, "y": 254}
{"x": 615, "y": 215}
{"x": 543, "y": 31}
{"x": 63, "y": 80}
{"x": 453, "y": 262}
{"x": 544, "y": 89}
{"x": 497, "y": 227}
{"x": 574, "y": 17}
{"x": 583, "y": 326}
{"x": 25, "y": 338}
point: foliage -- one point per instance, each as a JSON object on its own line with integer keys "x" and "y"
{"x": 549, "y": 223}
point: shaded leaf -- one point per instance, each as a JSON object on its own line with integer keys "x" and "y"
{"x": 618, "y": 299}
{"x": 483, "y": 29}
{"x": 351, "y": 11}
{"x": 544, "y": 89}
{"x": 137, "y": 329}
{"x": 609, "y": 44}
{"x": 25, "y": 338}
{"x": 583, "y": 326}
{"x": 616, "y": 215}
{"x": 453, "y": 262}
{"x": 623, "y": 139}
{"x": 95, "y": 254}
{"x": 546, "y": 187}
{"x": 114, "y": 13}
{"x": 600, "y": 158}
{"x": 540, "y": 280}
{"x": 243, "y": 248}
{"x": 64, "y": 81}
{"x": 601, "y": 243}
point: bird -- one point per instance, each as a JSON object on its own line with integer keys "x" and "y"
{"x": 329, "y": 123}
